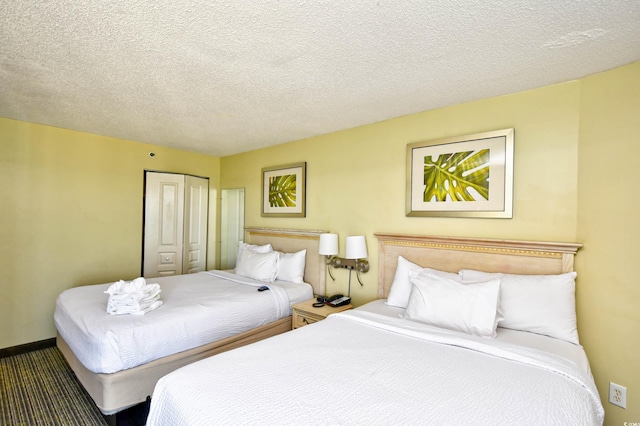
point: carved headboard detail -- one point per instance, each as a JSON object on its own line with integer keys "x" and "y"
{"x": 454, "y": 253}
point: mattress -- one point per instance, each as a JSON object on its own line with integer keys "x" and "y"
{"x": 197, "y": 309}
{"x": 363, "y": 367}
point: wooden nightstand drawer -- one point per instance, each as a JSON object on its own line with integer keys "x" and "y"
{"x": 302, "y": 320}
{"x": 304, "y": 313}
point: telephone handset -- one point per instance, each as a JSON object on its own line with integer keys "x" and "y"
{"x": 333, "y": 301}
{"x": 338, "y": 300}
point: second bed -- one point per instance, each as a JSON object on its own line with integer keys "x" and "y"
{"x": 119, "y": 358}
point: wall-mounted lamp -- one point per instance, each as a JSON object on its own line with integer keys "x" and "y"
{"x": 329, "y": 248}
{"x": 356, "y": 253}
{"x": 355, "y": 258}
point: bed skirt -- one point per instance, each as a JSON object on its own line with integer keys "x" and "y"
{"x": 117, "y": 391}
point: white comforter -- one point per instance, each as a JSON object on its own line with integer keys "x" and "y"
{"x": 362, "y": 368}
{"x": 197, "y": 309}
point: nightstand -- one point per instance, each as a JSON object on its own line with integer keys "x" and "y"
{"x": 304, "y": 313}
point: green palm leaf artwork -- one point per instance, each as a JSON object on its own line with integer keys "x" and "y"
{"x": 282, "y": 191}
{"x": 448, "y": 177}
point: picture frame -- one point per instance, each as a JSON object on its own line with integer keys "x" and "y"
{"x": 284, "y": 190}
{"x": 463, "y": 176}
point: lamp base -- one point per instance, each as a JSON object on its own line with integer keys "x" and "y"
{"x": 360, "y": 265}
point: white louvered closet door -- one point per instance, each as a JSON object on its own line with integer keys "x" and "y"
{"x": 175, "y": 224}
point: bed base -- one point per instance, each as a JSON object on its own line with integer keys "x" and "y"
{"x": 115, "y": 392}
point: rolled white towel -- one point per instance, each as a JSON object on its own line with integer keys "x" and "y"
{"x": 122, "y": 286}
{"x": 147, "y": 292}
{"x": 136, "y": 310}
{"x": 134, "y": 297}
{"x": 114, "y": 304}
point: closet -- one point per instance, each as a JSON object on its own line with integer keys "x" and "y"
{"x": 175, "y": 224}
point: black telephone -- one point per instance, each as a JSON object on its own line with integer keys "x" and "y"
{"x": 338, "y": 300}
{"x": 333, "y": 301}
{"x": 325, "y": 299}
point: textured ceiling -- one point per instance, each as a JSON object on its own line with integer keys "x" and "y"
{"x": 223, "y": 77}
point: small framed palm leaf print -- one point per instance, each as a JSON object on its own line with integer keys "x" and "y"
{"x": 467, "y": 176}
{"x": 283, "y": 190}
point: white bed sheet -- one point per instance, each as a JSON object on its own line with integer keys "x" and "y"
{"x": 359, "y": 367}
{"x": 559, "y": 347}
{"x": 197, "y": 309}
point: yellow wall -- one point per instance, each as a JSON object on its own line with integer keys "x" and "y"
{"x": 608, "y": 215}
{"x": 571, "y": 141}
{"x": 356, "y": 178}
{"x": 71, "y": 214}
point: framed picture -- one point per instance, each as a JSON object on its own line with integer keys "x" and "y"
{"x": 283, "y": 190}
{"x": 467, "y": 176}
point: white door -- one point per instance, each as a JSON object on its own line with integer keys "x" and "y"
{"x": 231, "y": 225}
{"x": 195, "y": 225}
{"x": 174, "y": 233}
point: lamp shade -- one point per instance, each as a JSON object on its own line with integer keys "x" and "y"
{"x": 356, "y": 247}
{"x": 328, "y": 244}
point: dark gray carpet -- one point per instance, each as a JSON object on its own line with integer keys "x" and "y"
{"x": 39, "y": 388}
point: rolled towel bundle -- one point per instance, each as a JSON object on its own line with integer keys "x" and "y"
{"x": 140, "y": 309}
{"x": 122, "y": 287}
{"x": 133, "y": 298}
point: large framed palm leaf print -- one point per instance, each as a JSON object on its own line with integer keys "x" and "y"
{"x": 283, "y": 190}
{"x": 466, "y": 176}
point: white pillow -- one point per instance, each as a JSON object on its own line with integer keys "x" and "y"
{"x": 291, "y": 266}
{"x": 401, "y": 286}
{"x": 258, "y": 249}
{"x": 541, "y": 304}
{"x": 442, "y": 302}
{"x": 259, "y": 266}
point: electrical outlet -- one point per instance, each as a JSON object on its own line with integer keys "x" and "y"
{"x": 617, "y": 395}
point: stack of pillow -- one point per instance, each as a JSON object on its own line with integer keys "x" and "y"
{"x": 264, "y": 264}
{"x": 476, "y": 302}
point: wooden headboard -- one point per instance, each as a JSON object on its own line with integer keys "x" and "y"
{"x": 454, "y": 253}
{"x": 293, "y": 240}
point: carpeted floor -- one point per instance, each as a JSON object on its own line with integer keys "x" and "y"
{"x": 39, "y": 388}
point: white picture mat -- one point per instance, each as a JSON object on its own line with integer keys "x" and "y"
{"x": 283, "y": 172}
{"x": 497, "y": 152}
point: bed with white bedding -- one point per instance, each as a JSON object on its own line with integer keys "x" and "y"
{"x": 118, "y": 358}
{"x": 197, "y": 309}
{"x": 389, "y": 364}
